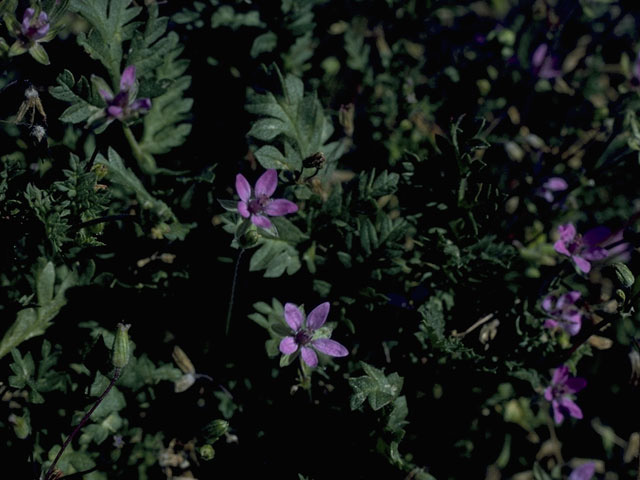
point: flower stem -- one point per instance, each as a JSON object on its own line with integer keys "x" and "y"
{"x": 233, "y": 291}
{"x": 114, "y": 379}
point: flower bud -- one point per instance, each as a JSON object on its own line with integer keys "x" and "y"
{"x": 207, "y": 452}
{"x": 624, "y": 275}
{"x": 216, "y": 429}
{"x": 120, "y": 351}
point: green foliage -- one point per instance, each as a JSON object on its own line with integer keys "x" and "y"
{"x": 295, "y": 121}
{"x": 379, "y": 389}
{"x": 41, "y": 380}
{"x": 50, "y": 284}
{"x": 112, "y": 25}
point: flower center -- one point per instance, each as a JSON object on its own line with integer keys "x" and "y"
{"x": 303, "y": 337}
{"x": 258, "y": 204}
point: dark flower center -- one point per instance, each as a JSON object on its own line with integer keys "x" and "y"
{"x": 258, "y": 204}
{"x": 303, "y": 337}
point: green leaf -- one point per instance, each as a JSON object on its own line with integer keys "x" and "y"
{"x": 264, "y": 43}
{"x": 378, "y": 389}
{"x": 275, "y": 257}
{"x": 111, "y": 25}
{"x": 121, "y": 175}
{"x": 294, "y": 120}
{"x": 81, "y": 109}
{"x": 225, "y": 16}
{"x": 31, "y": 322}
{"x": 39, "y": 54}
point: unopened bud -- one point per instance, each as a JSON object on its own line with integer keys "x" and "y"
{"x": 120, "y": 352}
{"x": 249, "y": 239}
{"x": 624, "y": 275}
{"x": 216, "y": 429}
{"x": 100, "y": 170}
{"x": 207, "y": 452}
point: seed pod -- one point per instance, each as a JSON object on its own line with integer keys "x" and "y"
{"x": 120, "y": 351}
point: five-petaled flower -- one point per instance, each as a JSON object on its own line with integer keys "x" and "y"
{"x": 583, "y": 472}
{"x": 563, "y": 312}
{"x": 552, "y": 185}
{"x": 582, "y": 249}
{"x": 122, "y": 106}
{"x": 303, "y": 334}
{"x": 560, "y": 391}
{"x": 261, "y": 204}
{"x": 34, "y": 30}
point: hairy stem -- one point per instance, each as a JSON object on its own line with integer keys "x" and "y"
{"x": 233, "y": 291}
{"x": 114, "y": 379}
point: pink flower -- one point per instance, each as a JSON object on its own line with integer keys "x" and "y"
{"x": 582, "y": 249}
{"x": 261, "y": 204}
{"x": 34, "y": 30}
{"x": 553, "y": 184}
{"x": 563, "y": 312}
{"x": 120, "y": 105}
{"x": 303, "y": 335}
{"x": 560, "y": 391}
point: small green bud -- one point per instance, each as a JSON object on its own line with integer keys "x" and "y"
{"x": 621, "y": 295}
{"x": 624, "y": 275}
{"x": 249, "y": 239}
{"x": 216, "y": 429}
{"x": 207, "y": 452}
{"x": 120, "y": 351}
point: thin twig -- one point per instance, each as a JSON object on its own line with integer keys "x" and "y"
{"x": 484, "y": 319}
{"x": 233, "y": 291}
{"x": 116, "y": 375}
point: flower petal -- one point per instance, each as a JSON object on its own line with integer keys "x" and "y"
{"x": 243, "y": 188}
{"x": 538, "y": 55}
{"x": 595, "y": 253}
{"x": 560, "y": 375}
{"x": 267, "y": 183}
{"x": 548, "y": 302}
{"x": 318, "y": 316}
{"x": 567, "y": 232}
{"x": 280, "y": 206}
{"x": 584, "y": 472}
{"x": 128, "y": 78}
{"x": 561, "y": 248}
{"x": 550, "y": 323}
{"x": 288, "y": 345}
{"x": 106, "y": 94}
{"x": 557, "y": 413}
{"x": 575, "y": 384}
{"x": 548, "y": 393}
{"x": 330, "y": 347}
{"x": 556, "y": 184}
{"x": 569, "y": 406}
{"x": 309, "y": 357}
{"x": 115, "y": 111}
{"x": 261, "y": 221}
{"x": 596, "y": 235}
{"x": 293, "y": 316}
{"x": 26, "y": 19}
{"x": 243, "y": 209}
{"x": 141, "y": 104}
{"x": 581, "y": 263}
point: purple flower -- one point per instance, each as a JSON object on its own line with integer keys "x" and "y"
{"x": 120, "y": 105}
{"x": 261, "y": 203}
{"x": 563, "y": 312}
{"x": 34, "y": 30}
{"x": 559, "y": 392}
{"x": 582, "y": 249}
{"x": 544, "y": 64}
{"x": 583, "y": 472}
{"x": 303, "y": 335}
{"x": 553, "y": 184}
